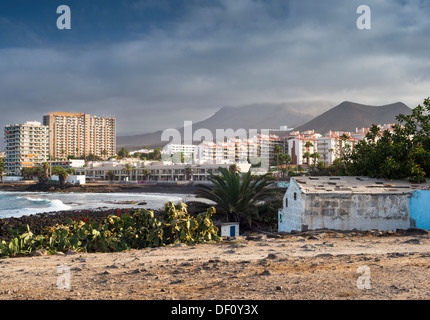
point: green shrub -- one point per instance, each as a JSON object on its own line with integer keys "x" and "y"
{"x": 134, "y": 230}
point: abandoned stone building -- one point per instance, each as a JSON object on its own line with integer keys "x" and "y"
{"x": 348, "y": 203}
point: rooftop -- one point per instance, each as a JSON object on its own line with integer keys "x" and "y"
{"x": 329, "y": 184}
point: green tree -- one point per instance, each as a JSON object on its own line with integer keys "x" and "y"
{"x": 315, "y": 155}
{"x": 156, "y": 155}
{"x": 2, "y": 168}
{"x": 93, "y": 157}
{"x": 286, "y": 159}
{"x": 62, "y": 174}
{"x": 111, "y": 175}
{"x": 403, "y": 153}
{"x": 188, "y": 173}
{"x": 128, "y": 168}
{"x": 307, "y": 154}
{"x": 122, "y": 153}
{"x": 239, "y": 195}
{"x": 147, "y": 173}
{"x": 27, "y": 173}
{"x": 279, "y": 151}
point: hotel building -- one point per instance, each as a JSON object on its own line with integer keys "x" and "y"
{"x": 154, "y": 171}
{"x": 80, "y": 134}
{"x": 26, "y": 146}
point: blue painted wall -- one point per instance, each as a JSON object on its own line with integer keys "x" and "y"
{"x": 420, "y": 209}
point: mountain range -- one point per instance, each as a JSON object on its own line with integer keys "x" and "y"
{"x": 254, "y": 116}
{"x": 346, "y": 116}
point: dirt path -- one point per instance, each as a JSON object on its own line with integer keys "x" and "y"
{"x": 324, "y": 266}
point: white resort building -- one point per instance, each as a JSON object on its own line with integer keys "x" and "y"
{"x": 152, "y": 171}
{"x": 26, "y": 146}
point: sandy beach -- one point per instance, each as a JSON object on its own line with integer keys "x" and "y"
{"x": 323, "y": 265}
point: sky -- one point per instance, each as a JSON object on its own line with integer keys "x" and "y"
{"x": 154, "y": 64}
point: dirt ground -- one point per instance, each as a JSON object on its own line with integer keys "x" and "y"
{"x": 323, "y": 265}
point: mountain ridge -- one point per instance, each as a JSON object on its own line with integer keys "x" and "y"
{"x": 345, "y": 116}
{"x": 254, "y": 116}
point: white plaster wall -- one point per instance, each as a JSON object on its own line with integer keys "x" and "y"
{"x": 290, "y": 218}
{"x": 343, "y": 211}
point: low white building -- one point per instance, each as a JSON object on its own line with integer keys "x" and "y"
{"x": 71, "y": 179}
{"x": 345, "y": 203}
{"x": 154, "y": 171}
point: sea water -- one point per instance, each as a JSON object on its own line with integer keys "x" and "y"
{"x": 17, "y": 204}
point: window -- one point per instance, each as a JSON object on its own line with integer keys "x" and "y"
{"x": 286, "y": 202}
{"x": 295, "y": 195}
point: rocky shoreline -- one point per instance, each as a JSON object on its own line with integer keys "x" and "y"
{"x": 100, "y": 188}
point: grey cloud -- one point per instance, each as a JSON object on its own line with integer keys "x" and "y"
{"x": 227, "y": 53}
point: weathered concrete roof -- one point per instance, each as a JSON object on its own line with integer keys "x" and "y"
{"x": 329, "y": 184}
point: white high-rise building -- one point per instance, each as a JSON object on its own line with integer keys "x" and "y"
{"x": 80, "y": 134}
{"x": 26, "y": 146}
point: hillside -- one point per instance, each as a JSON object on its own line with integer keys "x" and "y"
{"x": 255, "y": 116}
{"x": 348, "y": 116}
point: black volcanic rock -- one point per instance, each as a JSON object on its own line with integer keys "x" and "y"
{"x": 348, "y": 116}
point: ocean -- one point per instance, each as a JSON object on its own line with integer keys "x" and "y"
{"x": 17, "y": 204}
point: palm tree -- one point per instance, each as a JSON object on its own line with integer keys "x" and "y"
{"x": 111, "y": 175}
{"x": 342, "y": 140}
{"x": 188, "y": 173}
{"x": 62, "y": 174}
{"x": 238, "y": 194}
{"x": 315, "y": 156}
{"x": 157, "y": 153}
{"x": 147, "y": 174}
{"x": 286, "y": 158}
{"x": 279, "y": 151}
{"x": 128, "y": 169}
{"x": 2, "y": 168}
{"x": 26, "y": 173}
{"x": 46, "y": 169}
{"x": 307, "y": 154}
{"x": 308, "y": 144}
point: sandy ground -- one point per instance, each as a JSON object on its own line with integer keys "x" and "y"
{"x": 323, "y": 265}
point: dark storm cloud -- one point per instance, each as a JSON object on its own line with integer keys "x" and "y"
{"x": 185, "y": 62}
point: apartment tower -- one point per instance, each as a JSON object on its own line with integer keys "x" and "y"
{"x": 80, "y": 134}
{"x": 26, "y": 146}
